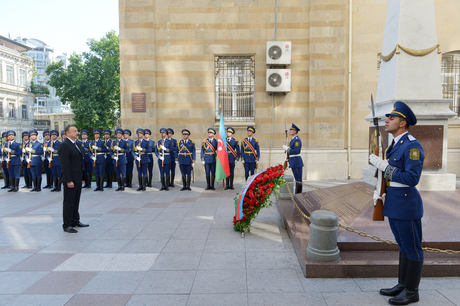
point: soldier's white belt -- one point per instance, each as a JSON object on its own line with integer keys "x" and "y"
{"x": 150, "y": 153}
{"x": 396, "y": 184}
{"x": 35, "y": 155}
{"x": 165, "y": 153}
{"x": 54, "y": 155}
{"x": 295, "y": 155}
{"x": 100, "y": 153}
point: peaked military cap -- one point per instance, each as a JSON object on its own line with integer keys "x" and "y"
{"x": 54, "y": 132}
{"x": 231, "y": 130}
{"x": 294, "y": 127}
{"x": 140, "y": 131}
{"x": 107, "y": 131}
{"x": 46, "y": 132}
{"x": 251, "y": 128}
{"x": 33, "y": 132}
{"x": 163, "y": 130}
{"x": 127, "y": 131}
{"x": 401, "y": 109}
{"x": 84, "y": 132}
{"x": 147, "y": 131}
{"x": 170, "y": 130}
{"x": 211, "y": 130}
{"x": 4, "y": 134}
{"x": 11, "y": 132}
{"x": 97, "y": 131}
{"x": 62, "y": 132}
{"x": 185, "y": 132}
{"x": 118, "y": 131}
{"x": 24, "y": 134}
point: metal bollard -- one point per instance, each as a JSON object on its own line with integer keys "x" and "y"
{"x": 284, "y": 189}
{"x": 323, "y": 236}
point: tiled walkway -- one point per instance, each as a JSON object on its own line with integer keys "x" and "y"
{"x": 165, "y": 248}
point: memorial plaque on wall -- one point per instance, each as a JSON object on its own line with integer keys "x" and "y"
{"x": 138, "y": 102}
{"x": 431, "y": 139}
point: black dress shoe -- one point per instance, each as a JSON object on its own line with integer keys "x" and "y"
{"x": 81, "y": 225}
{"x": 70, "y": 230}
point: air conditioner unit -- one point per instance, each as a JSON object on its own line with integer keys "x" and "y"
{"x": 278, "y": 80}
{"x": 278, "y": 53}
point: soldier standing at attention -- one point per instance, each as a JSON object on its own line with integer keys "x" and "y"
{"x": 208, "y": 158}
{"x": 295, "y": 160}
{"x": 250, "y": 152}
{"x": 129, "y": 158}
{"x": 6, "y": 176}
{"x": 54, "y": 160}
{"x": 185, "y": 156}
{"x": 63, "y": 135}
{"x": 46, "y": 163}
{"x": 34, "y": 153}
{"x": 13, "y": 152}
{"x": 163, "y": 152}
{"x": 118, "y": 151}
{"x": 147, "y": 134}
{"x": 173, "y": 153}
{"x": 141, "y": 150}
{"x": 25, "y": 170}
{"x": 86, "y": 145}
{"x": 233, "y": 156}
{"x": 98, "y": 151}
{"x": 402, "y": 169}
{"x": 108, "y": 159}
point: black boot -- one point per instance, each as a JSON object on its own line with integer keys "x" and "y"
{"x": 231, "y": 182}
{"x": 144, "y": 183}
{"x": 150, "y": 181}
{"x": 411, "y": 283}
{"x": 34, "y": 184}
{"x": 11, "y": 185}
{"x": 107, "y": 181}
{"x": 110, "y": 181}
{"x": 246, "y": 177}
{"x": 184, "y": 184}
{"x": 123, "y": 184}
{"x": 167, "y": 183}
{"x": 30, "y": 182}
{"x": 227, "y": 183}
{"x": 26, "y": 181}
{"x": 140, "y": 183}
{"x": 162, "y": 179}
{"x": 171, "y": 181}
{"x": 89, "y": 177}
{"x": 16, "y": 185}
{"x": 39, "y": 184}
{"x": 98, "y": 184}
{"x": 188, "y": 183}
{"x": 208, "y": 183}
{"x": 59, "y": 184}
{"x": 101, "y": 183}
{"x": 55, "y": 181}
{"x": 298, "y": 188}
{"x": 49, "y": 181}
{"x": 401, "y": 276}
{"x": 212, "y": 182}
{"x": 6, "y": 181}
{"x": 119, "y": 181}
{"x": 127, "y": 180}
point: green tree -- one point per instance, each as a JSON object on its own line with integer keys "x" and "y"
{"x": 91, "y": 83}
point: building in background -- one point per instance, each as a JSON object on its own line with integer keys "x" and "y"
{"x": 16, "y": 98}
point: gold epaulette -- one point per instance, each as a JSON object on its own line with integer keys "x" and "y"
{"x": 257, "y": 140}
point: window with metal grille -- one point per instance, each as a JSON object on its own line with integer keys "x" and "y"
{"x": 235, "y": 87}
{"x": 450, "y": 72}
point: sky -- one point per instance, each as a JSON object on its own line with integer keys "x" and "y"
{"x": 62, "y": 25}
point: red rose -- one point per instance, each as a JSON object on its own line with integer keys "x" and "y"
{"x": 271, "y": 185}
{"x": 248, "y": 214}
{"x": 244, "y": 211}
{"x": 281, "y": 172}
{"x": 244, "y": 218}
{"x": 269, "y": 191}
{"x": 262, "y": 200}
{"x": 234, "y": 222}
{"x": 245, "y": 205}
{"x": 257, "y": 204}
{"x": 251, "y": 208}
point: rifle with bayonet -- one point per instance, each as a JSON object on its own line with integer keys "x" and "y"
{"x": 286, "y": 159}
{"x": 380, "y": 188}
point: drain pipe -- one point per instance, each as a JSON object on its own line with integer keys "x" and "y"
{"x": 350, "y": 41}
{"x": 273, "y": 103}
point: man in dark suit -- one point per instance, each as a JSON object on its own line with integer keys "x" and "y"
{"x": 72, "y": 165}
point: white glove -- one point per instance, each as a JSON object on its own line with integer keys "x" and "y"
{"x": 50, "y": 159}
{"x": 242, "y": 161}
{"x": 8, "y": 150}
{"x": 381, "y": 164}
{"x": 94, "y": 157}
{"x": 22, "y": 159}
{"x": 28, "y": 160}
{"x": 117, "y": 148}
{"x": 203, "y": 162}
{"x": 43, "y": 158}
{"x": 138, "y": 159}
{"x": 378, "y": 197}
{"x": 162, "y": 158}
{"x": 177, "y": 161}
{"x": 285, "y": 147}
{"x": 50, "y": 149}
{"x": 163, "y": 147}
{"x": 115, "y": 157}
{"x": 28, "y": 149}
{"x": 139, "y": 148}
{"x": 257, "y": 161}
{"x": 193, "y": 165}
{"x": 23, "y": 150}
{"x": 95, "y": 148}
{"x": 7, "y": 159}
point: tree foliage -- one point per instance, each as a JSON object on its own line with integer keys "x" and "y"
{"x": 91, "y": 83}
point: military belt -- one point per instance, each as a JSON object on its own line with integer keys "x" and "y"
{"x": 250, "y": 152}
{"x": 396, "y": 184}
{"x": 295, "y": 155}
{"x": 35, "y": 155}
{"x": 101, "y": 153}
{"x": 210, "y": 153}
{"x": 185, "y": 153}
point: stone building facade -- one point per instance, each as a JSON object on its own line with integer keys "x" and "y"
{"x": 170, "y": 51}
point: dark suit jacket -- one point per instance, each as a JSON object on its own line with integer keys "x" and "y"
{"x": 72, "y": 162}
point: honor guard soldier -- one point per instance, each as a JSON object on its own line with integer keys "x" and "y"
{"x": 98, "y": 152}
{"x": 4, "y": 155}
{"x": 162, "y": 151}
{"x": 63, "y": 135}
{"x": 173, "y": 153}
{"x": 108, "y": 159}
{"x": 250, "y": 152}
{"x": 46, "y": 162}
{"x": 147, "y": 134}
{"x": 185, "y": 156}
{"x": 402, "y": 169}
{"x": 53, "y": 160}
{"x": 129, "y": 158}
{"x": 295, "y": 160}
{"x": 118, "y": 152}
{"x": 208, "y": 158}
{"x": 34, "y": 154}
{"x": 25, "y": 168}
{"x": 86, "y": 145}
{"x": 233, "y": 151}
{"x": 14, "y": 153}
{"x": 141, "y": 149}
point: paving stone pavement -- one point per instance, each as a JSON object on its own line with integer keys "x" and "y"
{"x": 166, "y": 248}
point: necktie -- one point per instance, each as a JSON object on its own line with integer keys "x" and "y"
{"x": 391, "y": 146}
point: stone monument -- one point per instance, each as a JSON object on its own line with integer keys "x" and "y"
{"x": 410, "y": 71}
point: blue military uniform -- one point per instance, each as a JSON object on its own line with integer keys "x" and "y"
{"x": 185, "y": 156}
{"x": 130, "y": 159}
{"x": 54, "y": 161}
{"x": 403, "y": 205}
{"x": 25, "y": 169}
{"x": 34, "y": 153}
{"x": 234, "y": 154}
{"x": 6, "y": 176}
{"x": 99, "y": 152}
{"x": 13, "y": 158}
{"x": 141, "y": 148}
{"x": 173, "y": 153}
{"x": 109, "y": 165}
{"x": 295, "y": 160}
{"x": 118, "y": 151}
{"x": 86, "y": 146}
{"x": 150, "y": 164}
{"x": 164, "y": 159}
{"x": 250, "y": 152}
{"x": 46, "y": 162}
{"x": 208, "y": 158}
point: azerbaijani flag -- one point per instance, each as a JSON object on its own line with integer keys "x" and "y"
{"x": 222, "y": 166}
